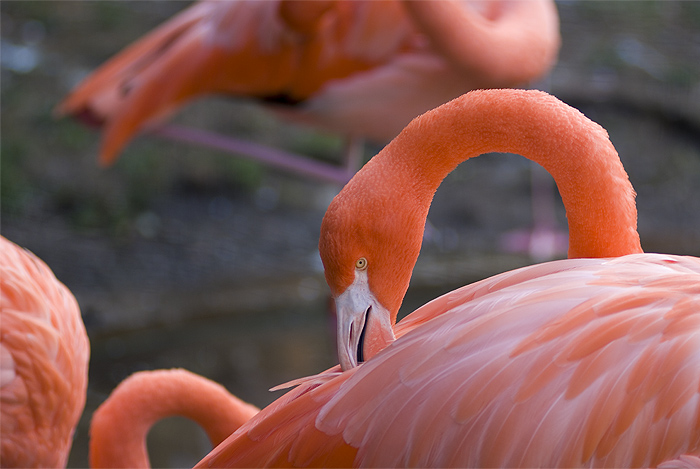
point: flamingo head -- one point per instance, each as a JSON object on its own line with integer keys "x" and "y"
{"x": 369, "y": 244}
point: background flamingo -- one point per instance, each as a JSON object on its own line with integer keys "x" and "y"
{"x": 339, "y": 66}
{"x": 44, "y": 354}
{"x": 149, "y": 396}
{"x": 334, "y": 65}
{"x": 580, "y": 362}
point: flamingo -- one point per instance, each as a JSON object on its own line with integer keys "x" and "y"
{"x": 149, "y": 396}
{"x": 591, "y": 361}
{"x": 44, "y": 353}
{"x": 358, "y": 68}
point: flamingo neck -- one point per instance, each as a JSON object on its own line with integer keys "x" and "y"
{"x": 119, "y": 427}
{"x": 524, "y": 34}
{"x": 595, "y": 189}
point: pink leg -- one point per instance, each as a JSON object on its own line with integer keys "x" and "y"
{"x": 278, "y": 158}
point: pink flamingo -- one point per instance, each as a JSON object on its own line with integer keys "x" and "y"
{"x": 44, "y": 353}
{"x": 149, "y": 396}
{"x": 359, "y": 68}
{"x": 593, "y": 361}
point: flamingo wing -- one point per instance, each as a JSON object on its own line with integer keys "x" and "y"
{"x": 284, "y": 434}
{"x": 587, "y": 362}
{"x": 44, "y": 354}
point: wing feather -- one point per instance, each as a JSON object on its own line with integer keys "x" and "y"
{"x": 571, "y": 364}
{"x": 581, "y": 372}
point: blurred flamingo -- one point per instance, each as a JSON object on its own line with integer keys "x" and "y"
{"x": 592, "y": 361}
{"x": 359, "y": 68}
{"x": 44, "y": 353}
{"x": 149, "y": 396}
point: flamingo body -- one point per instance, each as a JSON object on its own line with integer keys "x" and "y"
{"x": 44, "y": 354}
{"x": 361, "y": 68}
{"x": 592, "y": 361}
{"x": 572, "y": 363}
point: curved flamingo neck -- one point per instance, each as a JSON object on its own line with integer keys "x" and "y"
{"x": 119, "y": 427}
{"x": 506, "y": 44}
{"x": 577, "y": 152}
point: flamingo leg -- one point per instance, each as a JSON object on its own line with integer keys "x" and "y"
{"x": 545, "y": 240}
{"x": 352, "y": 158}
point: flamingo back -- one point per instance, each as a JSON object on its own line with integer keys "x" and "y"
{"x": 44, "y": 353}
{"x": 573, "y": 363}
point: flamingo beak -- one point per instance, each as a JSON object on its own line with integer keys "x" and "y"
{"x": 364, "y": 325}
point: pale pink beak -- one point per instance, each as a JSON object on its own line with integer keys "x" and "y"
{"x": 364, "y": 325}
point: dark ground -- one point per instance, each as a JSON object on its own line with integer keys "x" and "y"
{"x": 181, "y": 257}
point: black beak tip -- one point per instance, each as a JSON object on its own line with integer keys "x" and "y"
{"x": 361, "y": 343}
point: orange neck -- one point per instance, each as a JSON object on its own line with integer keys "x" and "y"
{"x": 595, "y": 189}
{"x": 596, "y": 192}
{"x": 119, "y": 427}
{"x": 495, "y": 44}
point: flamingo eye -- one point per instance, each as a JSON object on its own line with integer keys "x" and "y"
{"x": 361, "y": 263}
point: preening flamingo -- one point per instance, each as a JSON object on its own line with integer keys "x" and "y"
{"x": 149, "y": 396}
{"x": 44, "y": 353}
{"x": 359, "y": 68}
{"x": 592, "y": 361}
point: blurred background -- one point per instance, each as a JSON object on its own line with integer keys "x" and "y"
{"x": 184, "y": 257}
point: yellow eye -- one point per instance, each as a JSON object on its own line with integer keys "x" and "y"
{"x": 361, "y": 263}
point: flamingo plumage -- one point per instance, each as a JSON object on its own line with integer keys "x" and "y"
{"x": 359, "y": 68}
{"x": 44, "y": 353}
{"x": 592, "y": 361}
{"x": 524, "y": 369}
{"x": 146, "y": 397}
